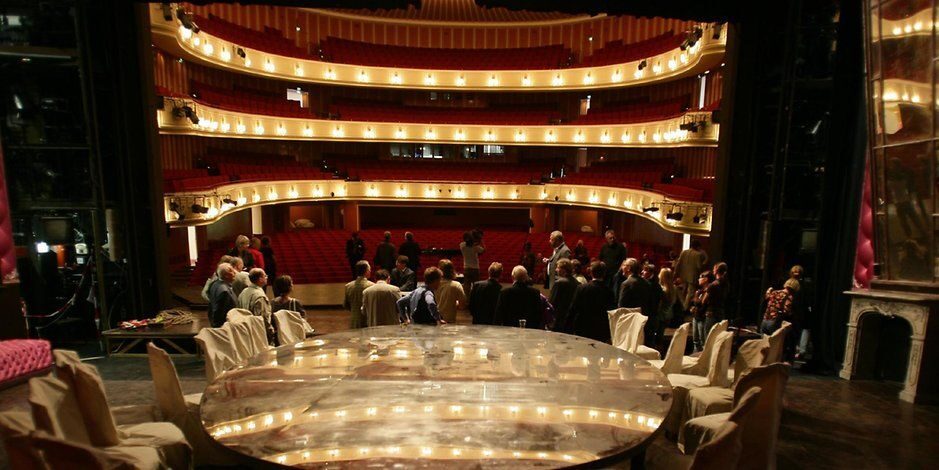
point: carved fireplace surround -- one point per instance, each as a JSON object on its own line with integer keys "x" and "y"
{"x": 921, "y": 375}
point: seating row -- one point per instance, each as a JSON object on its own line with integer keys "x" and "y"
{"x": 632, "y": 112}
{"x": 270, "y": 40}
{"x": 248, "y": 101}
{"x": 389, "y": 112}
{"x": 616, "y": 52}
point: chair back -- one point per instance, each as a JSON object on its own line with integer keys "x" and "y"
{"x": 216, "y": 346}
{"x": 676, "y": 349}
{"x": 626, "y": 326}
{"x": 256, "y": 324}
{"x": 701, "y": 367}
{"x": 761, "y": 431}
{"x": 88, "y": 389}
{"x": 720, "y": 360}
{"x": 15, "y": 428}
{"x": 752, "y": 353}
{"x": 289, "y": 327}
{"x": 242, "y": 340}
{"x": 722, "y": 451}
{"x": 166, "y": 386}
{"x": 60, "y": 453}
{"x": 55, "y": 409}
{"x": 777, "y": 342}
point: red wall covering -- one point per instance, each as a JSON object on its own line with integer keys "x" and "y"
{"x": 7, "y": 251}
{"x": 315, "y": 26}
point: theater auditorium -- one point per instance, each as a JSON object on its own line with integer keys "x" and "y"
{"x": 468, "y": 234}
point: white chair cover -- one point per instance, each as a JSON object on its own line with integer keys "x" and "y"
{"x": 752, "y": 353}
{"x": 682, "y": 383}
{"x": 699, "y": 365}
{"x": 777, "y": 343}
{"x": 238, "y": 314}
{"x": 761, "y": 431}
{"x": 289, "y": 327}
{"x": 626, "y": 326}
{"x": 258, "y": 338}
{"x": 220, "y": 355}
{"x": 676, "y": 349}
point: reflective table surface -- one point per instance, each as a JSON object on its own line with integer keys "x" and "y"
{"x": 428, "y": 397}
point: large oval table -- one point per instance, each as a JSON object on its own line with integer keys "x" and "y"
{"x": 449, "y": 396}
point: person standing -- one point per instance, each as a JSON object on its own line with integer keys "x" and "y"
{"x": 420, "y": 306}
{"x": 778, "y": 306}
{"x": 580, "y": 253}
{"x": 255, "y": 248}
{"x": 353, "y": 299}
{"x": 619, "y": 276}
{"x": 590, "y": 305}
{"x": 241, "y": 251}
{"x": 634, "y": 293}
{"x": 519, "y": 302}
{"x": 471, "y": 247}
{"x": 221, "y": 297}
{"x": 613, "y": 253}
{"x": 670, "y": 307}
{"x": 562, "y": 294}
{"x": 412, "y": 250}
{"x": 698, "y": 308}
{"x": 449, "y": 294}
{"x": 385, "y": 254}
{"x": 254, "y": 299}
{"x": 528, "y": 259}
{"x": 355, "y": 251}
{"x": 208, "y": 282}
{"x": 379, "y": 302}
{"x": 802, "y": 317}
{"x": 717, "y": 296}
{"x": 651, "y": 307}
{"x": 403, "y": 277}
{"x": 688, "y": 267}
{"x": 561, "y": 251}
{"x": 484, "y": 295}
{"x": 270, "y": 264}
{"x": 283, "y": 286}
{"x": 241, "y": 276}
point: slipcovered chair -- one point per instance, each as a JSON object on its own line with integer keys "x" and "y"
{"x": 258, "y": 343}
{"x": 182, "y": 410}
{"x": 626, "y": 326}
{"x": 761, "y": 431}
{"x": 752, "y": 353}
{"x": 59, "y": 453}
{"x": 217, "y": 348}
{"x": 777, "y": 342}
{"x": 682, "y": 383}
{"x": 289, "y": 327}
{"x": 711, "y": 400}
{"x": 676, "y": 349}
{"x": 722, "y": 452}
{"x": 56, "y": 412}
{"x": 122, "y": 415}
{"x": 14, "y": 427}
{"x": 699, "y": 365}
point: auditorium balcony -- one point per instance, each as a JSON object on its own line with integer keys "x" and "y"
{"x": 365, "y": 111}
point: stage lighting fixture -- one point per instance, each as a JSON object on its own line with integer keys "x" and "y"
{"x": 650, "y": 209}
{"x": 241, "y": 53}
{"x": 643, "y": 64}
{"x": 174, "y": 206}
{"x": 167, "y": 11}
{"x": 199, "y": 209}
{"x": 676, "y": 216}
{"x": 689, "y": 126}
{"x": 229, "y": 200}
{"x": 187, "y": 112}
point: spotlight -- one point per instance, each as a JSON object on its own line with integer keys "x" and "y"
{"x": 229, "y": 200}
{"x": 241, "y": 53}
{"x": 186, "y": 19}
{"x": 650, "y": 209}
{"x": 676, "y": 216}
{"x": 689, "y": 126}
{"x": 187, "y": 112}
{"x": 199, "y": 209}
{"x": 167, "y": 11}
{"x": 642, "y": 64}
{"x": 174, "y": 206}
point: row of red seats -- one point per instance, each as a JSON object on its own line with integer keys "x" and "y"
{"x": 318, "y": 255}
{"x": 216, "y": 156}
{"x": 270, "y": 40}
{"x": 636, "y": 112}
{"x": 417, "y": 170}
{"x": 345, "y": 51}
{"x": 387, "y": 112}
{"x": 194, "y": 184}
{"x": 706, "y": 185}
{"x": 616, "y": 52}
{"x": 247, "y": 101}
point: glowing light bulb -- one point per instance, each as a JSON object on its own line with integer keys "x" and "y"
{"x": 460, "y": 81}
{"x": 185, "y": 32}
{"x": 281, "y": 130}
{"x": 605, "y": 137}
{"x": 369, "y": 133}
{"x": 196, "y": 41}
{"x": 400, "y": 133}
{"x": 258, "y": 129}
{"x": 526, "y": 81}
{"x": 363, "y": 77}
{"x": 396, "y": 79}
{"x": 225, "y": 54}
{"x": 429, "y": 80}
{"x": 207, "y": 48}
{"x": 617, "y": 76}
{"x": 430, "y": 134}
{"x": 338, "y": 132}
{"x": 557, "y": 80}
{"x": 672, "y": 64}
{"x": 588, "y": 79}
{"x": 226, "y": 127}
{"x": 519, "y": 136}
{"x": 241, "y": 128}
{"x": 288, "y": 416}
{"x": 269, "y": 66}
{"x": 637, "y": 74}
{"x": 308, "y": 131}
{"x": 579, "y": 137}
{"x": 298, "y": 70}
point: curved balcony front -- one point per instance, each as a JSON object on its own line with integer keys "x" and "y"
{"x": 202, "y": 47}
{"x": 674, "y": 215}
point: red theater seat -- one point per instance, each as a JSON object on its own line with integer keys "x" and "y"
{"x": 615, "y": 52}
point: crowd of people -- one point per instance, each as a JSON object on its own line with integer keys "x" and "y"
{"x": 580, "y": 289}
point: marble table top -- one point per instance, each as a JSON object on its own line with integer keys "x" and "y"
{"x": 427, "y": 397}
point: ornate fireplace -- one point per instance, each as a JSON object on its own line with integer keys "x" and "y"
{"x": 865, "y": 352}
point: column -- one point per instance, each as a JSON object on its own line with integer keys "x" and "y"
{"x": 257, "y": 220}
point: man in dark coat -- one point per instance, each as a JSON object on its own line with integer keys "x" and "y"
{"x": 634, "y": 293}
{"x": 412, "y": 250}
{"x": 385, "y": 254}
{"x": 355, "y": 251}
{"x": 402, "y": 276}
{"x": 519, "y": 302}
{"x": 612, "y": 254}
{"x": 590, "y": 305}
{"x": 562, "y": 293}
{"x": 484, "y": 296}
{"x": 221, "y": 297}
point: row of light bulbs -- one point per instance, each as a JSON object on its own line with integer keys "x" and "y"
{"x": 521, "y": 413}
{"x": 305, "y": 456}
{"x": 430, "y": 133}
{"x": 430, "y": 79}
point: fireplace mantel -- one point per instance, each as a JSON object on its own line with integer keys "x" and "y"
{"x": 915, "y": 308}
